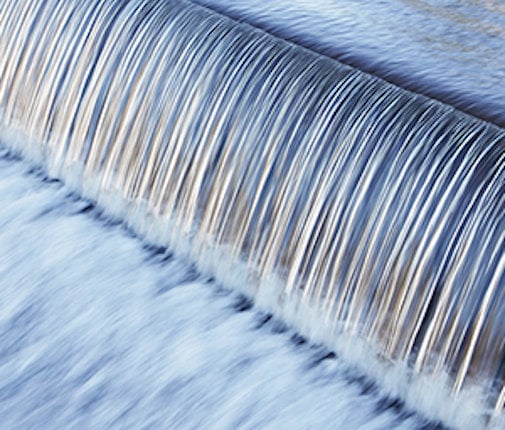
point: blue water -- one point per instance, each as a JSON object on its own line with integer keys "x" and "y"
{"x": 99, "y": 330}
{"x": 451, "y": 50}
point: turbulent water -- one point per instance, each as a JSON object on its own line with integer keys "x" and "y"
{"x": 98, "y": 330}
{"x": 368, "y": 218}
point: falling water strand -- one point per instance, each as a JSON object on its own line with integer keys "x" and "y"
{"x": 377, "y": 212}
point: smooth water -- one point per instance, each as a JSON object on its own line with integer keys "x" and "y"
{"x": 451, "y": 50}
{"x": 369, "y": 218}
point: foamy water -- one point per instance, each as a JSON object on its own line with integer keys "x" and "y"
{"x": 359, "y": 390}
{"x": 98, "y": 330}
{"x": 365, "y": 216}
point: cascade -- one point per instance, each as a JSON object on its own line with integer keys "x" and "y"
{"x": 349, "y": 206}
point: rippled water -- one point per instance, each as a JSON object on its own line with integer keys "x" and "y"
{"x": 452, "y": 50}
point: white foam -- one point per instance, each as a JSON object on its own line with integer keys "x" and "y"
{"x": 428, "y": 395}
{"x": 93, "y": 335}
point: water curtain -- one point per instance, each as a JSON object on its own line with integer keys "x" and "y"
{"x": 343, "y": 199}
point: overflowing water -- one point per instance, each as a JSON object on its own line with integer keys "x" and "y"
{"x": 451, "y": 50}
{"x": 368, "y": 217}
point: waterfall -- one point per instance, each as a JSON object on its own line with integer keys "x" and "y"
{"x": 346, "y": 205}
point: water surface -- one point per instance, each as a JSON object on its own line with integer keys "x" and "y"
{"x": 452, "y": 50}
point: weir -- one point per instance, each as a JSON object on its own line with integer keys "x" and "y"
{"x": 346, "y": 205}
